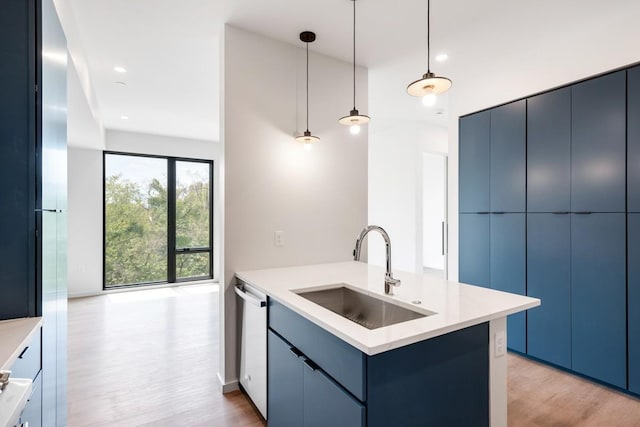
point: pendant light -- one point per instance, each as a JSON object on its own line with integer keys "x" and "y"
{"x": 430, "y": 85}
{"x": 354, "y": 119}
{"x": 306, "y": 138}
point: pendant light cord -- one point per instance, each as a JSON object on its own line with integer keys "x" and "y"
{"x": 307, "y": 86}
{"x": 354, "y": 54}
{"x": 428, "y": 36}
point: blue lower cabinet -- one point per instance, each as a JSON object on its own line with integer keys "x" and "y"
{"x": 327, "y": 404}
{"x": 549, "y": 278}
{"x": 32, "y": 413}
{"x": 443, "y": 381}
{"x": 598, "y": 297}
{"x": 285, "y": 382}
{"x": 508, "y": 267}
{"x": 474, "y": 249}
{"x": 633, "y": 302}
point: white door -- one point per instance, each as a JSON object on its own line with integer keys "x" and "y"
{"x": 434, "y": 213}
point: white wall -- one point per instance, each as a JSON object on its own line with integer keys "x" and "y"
{"x": 318, "y": 198}
{"x": 85, "y": 199}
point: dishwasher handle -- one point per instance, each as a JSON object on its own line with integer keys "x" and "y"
{"x": 251, "y": 299}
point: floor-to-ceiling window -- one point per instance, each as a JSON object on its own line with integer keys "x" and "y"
{"x": 157, "y": 219}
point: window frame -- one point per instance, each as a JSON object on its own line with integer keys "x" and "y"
{"x": 172, "y": 250}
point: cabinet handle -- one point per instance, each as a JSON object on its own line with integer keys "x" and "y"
{"x": 23, "y": 352}
{"x": 309, "y": 364}
{"x": 560, "y": 213}
{"x": 442, "y": 233}
{"x": 483, "y": 213}
{"x": 583, "y": 213}
{"x": 49, "y": 210}
{"x": 498, "y": 213}
{"x": 295, "y": 351}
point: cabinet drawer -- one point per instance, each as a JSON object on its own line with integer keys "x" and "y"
{"x": 327, "y": 404}
{"x": 343, "y": 362}
{"x": 28, "y": 364}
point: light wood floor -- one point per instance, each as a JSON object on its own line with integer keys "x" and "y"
{"x": 151, "y": 358}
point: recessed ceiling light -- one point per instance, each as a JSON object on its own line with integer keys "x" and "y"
{"x": 442, "y": 57}
{"x": 124, "y": 117}
{"x": 121, "y": 83}
{"x": 119, "y": 69}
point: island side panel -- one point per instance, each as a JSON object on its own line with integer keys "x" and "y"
{"x": 443, "y": 381}
{"x": 498, "y": 373}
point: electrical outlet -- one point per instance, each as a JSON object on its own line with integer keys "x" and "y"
{"x": 278, "y": 238}
{"x": 500, "y": 344}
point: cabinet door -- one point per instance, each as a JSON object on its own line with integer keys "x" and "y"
{"x": 32, "y": 413}
{"x": 549, "y": 152}
{"x": 17, "y": 171}
{"x": 549, "y": 278}
{"x": 474, "y": 250}
{"x": 633, "y": 302}
{"x": 598, "y": 144}
{"x": 508, "y": 157}
{"x": 508, "y": 269}
{"x": 474, "y": 162}
{"x": 598, "y": 297}
{"x": 328, "y": 404}
{"x": 633, "y": 140}
{"x": 285, "y": 384}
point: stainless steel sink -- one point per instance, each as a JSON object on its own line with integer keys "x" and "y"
{"x": 365, "y": 310}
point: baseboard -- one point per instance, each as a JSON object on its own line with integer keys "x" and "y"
{"x": 227, "y": 387}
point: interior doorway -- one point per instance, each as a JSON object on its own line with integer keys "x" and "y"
{"x": 434, "y": 214}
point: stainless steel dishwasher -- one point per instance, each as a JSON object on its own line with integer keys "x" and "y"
{"x": 252, "y": 328}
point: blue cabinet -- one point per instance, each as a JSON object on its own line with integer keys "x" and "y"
{"x": 439, "y": 381}
{"x": 549, "y": 152}
{"x": 508, "y": 267}
{"x": 284, "y": 387}
{"x": 475, "y": 162}
{"x": 474, "y": 259}
{"x": 549, "y": 278}
{"x": 633, "y": 140}
{"x": 633, "y": 303}
{"x": 598, "y": 144}
{"x": 508, "y": 157}
{"x": 326, "y": 403}
{"x": 598, "y": 297}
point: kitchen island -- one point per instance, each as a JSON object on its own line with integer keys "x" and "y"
{"x": 445, "y": 368}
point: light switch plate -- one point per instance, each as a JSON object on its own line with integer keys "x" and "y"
{"x": 278, "y": 238}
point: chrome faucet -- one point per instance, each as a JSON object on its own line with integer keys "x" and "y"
{"x": 389, "y": 281}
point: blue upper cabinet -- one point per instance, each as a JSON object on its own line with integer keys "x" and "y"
{"x": 633, "y": 140}
{"x": 549, "y": 152}
{"x": 598, "y": 297}
{"x": 475, "y": 162}
{"x": 508, "y": 157}
{"x": 549, "y": 278}
{"x": 474, "y": 250}
{"x": 633, "y": 302}
{"x": 598, "y": 144}
{"x": 508, "y": 267}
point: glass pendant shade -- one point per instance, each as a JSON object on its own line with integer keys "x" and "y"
{"x": 354, "y": 118}
{"x": 429, "y": 84}
{"x": 307, "y": 138}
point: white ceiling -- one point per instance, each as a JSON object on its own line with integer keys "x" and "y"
{"x": 498, "y": 49}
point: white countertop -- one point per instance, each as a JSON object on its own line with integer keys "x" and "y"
{"x": 15, "y": 334}
{"x": 456, "y": 305}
